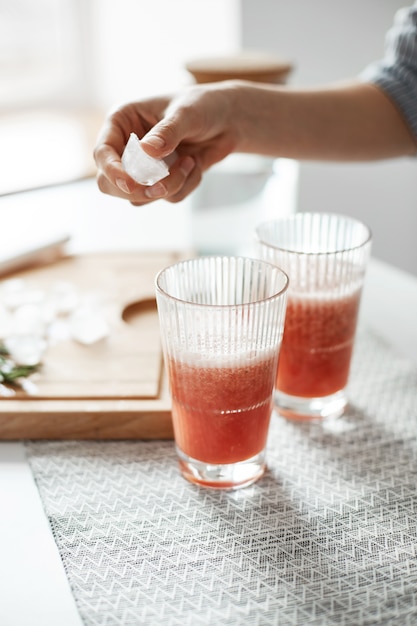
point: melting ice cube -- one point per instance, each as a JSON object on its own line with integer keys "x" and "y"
{"x": 28, "y": 320}
{"x": 5, "y": 322}
{"x": 88, "y": 325}
{"x": 26, "y": 349}
{"x": 143, "y": 168}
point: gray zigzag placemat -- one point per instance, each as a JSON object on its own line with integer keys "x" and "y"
{"x": 328, "y": 536}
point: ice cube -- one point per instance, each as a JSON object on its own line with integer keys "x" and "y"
{"x": 143, "y": 168}
{"x": 26, "y": 349}
{"x": 28, "y": 320}
{"x": 88, "y": 325}
{"x": 6, "y": 392}
{"x": 16, "y": 292}
{"x": 62, "y": 298}
{"x": 59, "y": 330}
{"x": 5, "y": 322}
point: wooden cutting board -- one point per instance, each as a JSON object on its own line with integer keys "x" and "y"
{"x": 114, "y": 388}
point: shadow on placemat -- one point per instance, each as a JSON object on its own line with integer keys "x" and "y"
{"x": 326, "y": 537}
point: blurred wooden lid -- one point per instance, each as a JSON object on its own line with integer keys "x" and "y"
{"x": 255, "y": 66}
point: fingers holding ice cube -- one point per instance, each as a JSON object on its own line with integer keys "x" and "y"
{"x": 143, "y": 168}
{"x": 171, "y": 178}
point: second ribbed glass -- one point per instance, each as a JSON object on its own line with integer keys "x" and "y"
{"x": 221, "y": 321}
{"x": 325, "y": 256}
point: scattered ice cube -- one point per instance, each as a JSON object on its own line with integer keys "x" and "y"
{"x": 87, "y": 325}
{"x": 16, "y": 292}
{"x": 32, "y": 318}
{"x": 143, "y": 168}
{"x": 6, "y": 320}
{"x": 63, "y": 297}
{"x": 26, "y": 349}
{"x": 12, "y": 284}
{"x": 58, "y": 330}
{"x": 28, "y": 386}
{"x": 29, "y": 320}
{"x": 6, "y": 392}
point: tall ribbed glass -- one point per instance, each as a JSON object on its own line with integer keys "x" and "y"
{"x": 325, "y": 256}
{"x": 221, "y": 321}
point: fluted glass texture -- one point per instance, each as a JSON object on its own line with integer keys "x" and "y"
{"x": 325, "y": 256}
{"x": 221, "y": 321}
{"x": 319, "y": 251}
{"x": 221, "y": 308}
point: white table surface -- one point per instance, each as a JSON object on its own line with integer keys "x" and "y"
{"x": 33, "y": 584}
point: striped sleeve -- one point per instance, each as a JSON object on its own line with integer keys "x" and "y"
{"x": 396, "y": 73}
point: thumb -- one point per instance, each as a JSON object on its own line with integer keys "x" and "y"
{"x": 161, "y": 140}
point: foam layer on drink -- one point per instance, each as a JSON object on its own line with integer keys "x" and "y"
{"x": 323, "y": 276}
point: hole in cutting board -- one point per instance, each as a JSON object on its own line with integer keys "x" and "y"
{"x": 135, "y": 312}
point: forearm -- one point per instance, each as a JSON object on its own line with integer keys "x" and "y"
{"x": 346, "y": 122}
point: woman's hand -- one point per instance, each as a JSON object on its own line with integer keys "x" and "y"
{"x": 197, "y": 123}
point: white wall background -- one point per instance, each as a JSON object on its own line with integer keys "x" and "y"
{"x": 140, "y": 48}
{"x": 132, "y": 49}
{"x": 329, "y": 40}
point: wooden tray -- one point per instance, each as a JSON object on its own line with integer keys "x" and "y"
{"x": 115, "y": 388}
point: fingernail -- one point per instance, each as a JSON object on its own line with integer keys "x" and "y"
{"x": 156, "y": 191}
{"x": 155, "y": 141}
{"x": 122, "y": 184}
{"x": 187, "y": 165}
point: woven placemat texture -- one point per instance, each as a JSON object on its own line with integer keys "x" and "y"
{"x": 328, "y": 536}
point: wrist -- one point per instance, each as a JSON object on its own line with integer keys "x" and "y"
{"x": 234, "y": 112}
{"x": 254, "y": 113}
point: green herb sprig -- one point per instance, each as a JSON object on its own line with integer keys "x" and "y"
{"x": 10, "y": 372}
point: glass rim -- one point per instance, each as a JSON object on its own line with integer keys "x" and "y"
{"x": 295, "y": 216}
{"x": 184, "y": 262}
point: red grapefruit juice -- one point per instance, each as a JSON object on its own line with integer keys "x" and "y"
{"x": 317, "y": 345}
{"x": 221, "y": 413}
